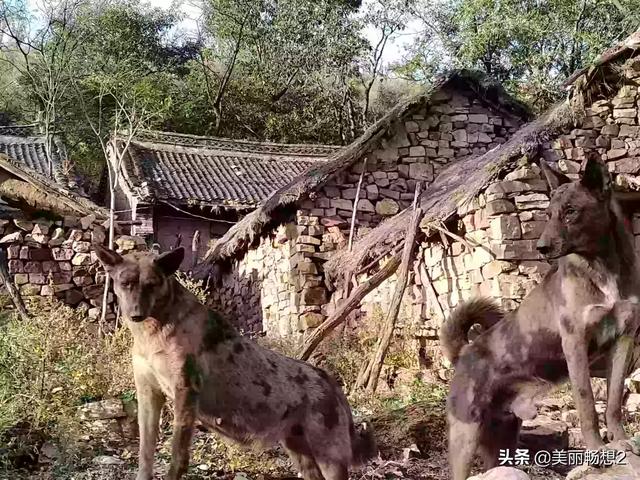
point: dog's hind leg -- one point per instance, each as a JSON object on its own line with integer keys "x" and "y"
{"x": 463, "y": 442}
{"x": 334, "y": 470}
{"x": 616, "y": 372}
{"x": 299, "y": 451}
{"x": 501, "y": 432}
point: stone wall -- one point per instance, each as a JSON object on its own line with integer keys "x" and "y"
{"x": 53, "y": 258}
{"x": 257, "y": 293}
{"x": 503, "y": 223}
{"x": 279, "y": 286}
{"x": 418, "y": 148}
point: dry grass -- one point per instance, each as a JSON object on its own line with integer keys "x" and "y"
{"x": 56, "y": 362}
{"x": 48, "y": 367}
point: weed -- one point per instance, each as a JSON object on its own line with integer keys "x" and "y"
{"x": 194, "y": 286}
{"x": 52, "y": 364}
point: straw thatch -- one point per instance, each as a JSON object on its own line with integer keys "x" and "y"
{"x": 280, "y": 205}
{"x": 626, "y": 48}
{"x": 27, "y": 188}
{"x": 457, "y": 185}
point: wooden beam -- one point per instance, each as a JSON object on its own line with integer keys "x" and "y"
{"x": 372, "y": 372}
{"x": 13, "y": 291}
{"x": 316, "y": 337}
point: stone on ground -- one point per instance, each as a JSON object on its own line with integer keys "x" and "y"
{"x": 543, "y": 433}
{"x": 501, "y": 473}
{"x": 617, "y": 472}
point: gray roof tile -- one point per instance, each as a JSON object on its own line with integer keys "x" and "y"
{"x": 29, "y": 151}
{"x": 186, "y": 169}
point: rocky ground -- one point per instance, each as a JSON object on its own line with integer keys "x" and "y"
{"x": 412, "y": 443}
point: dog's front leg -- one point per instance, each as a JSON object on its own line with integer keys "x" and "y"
{"x": 150, "y": 402}
{"x": 619, "y": 362}
{"x": 574, "y": 346}
{"x": 185, "y": 402}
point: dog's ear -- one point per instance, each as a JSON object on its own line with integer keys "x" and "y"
{"x": 108, "y": 258}
{"x": 554, "y": 178}
{"x": 170, "y": 261}
{"x": 596, "y": 177}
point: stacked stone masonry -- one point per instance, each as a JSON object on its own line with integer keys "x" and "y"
{"x": 296, "y": 298}
{"x": 501, "y": 225}
{"x": 54, "y": 259}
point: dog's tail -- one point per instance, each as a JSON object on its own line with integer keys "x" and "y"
{"x": 363, "y": 444}
{"x": 453, "y": 334}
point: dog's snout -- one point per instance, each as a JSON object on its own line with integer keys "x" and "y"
{"x": 543, "y": 246}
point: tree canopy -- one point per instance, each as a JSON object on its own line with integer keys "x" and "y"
{"x": 281, "y": 70}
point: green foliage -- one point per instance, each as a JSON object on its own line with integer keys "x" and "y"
{"x": 286, "y": 70}
{"x": 530, "y": 45}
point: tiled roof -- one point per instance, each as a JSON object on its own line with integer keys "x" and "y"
{"x": 186, "y": 169}
{"x": 24, "y": 149}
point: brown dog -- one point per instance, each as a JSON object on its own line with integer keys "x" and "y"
{"x": 191, "y": 355}
{"x": 576, "y": 317}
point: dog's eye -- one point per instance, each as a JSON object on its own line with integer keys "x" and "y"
{"x": 127, "y": 284}
{"x": 570, "y": 211}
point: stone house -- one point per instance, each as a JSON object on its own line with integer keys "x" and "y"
{"x": 174, "y": 185}
{"x": 269, "y": 268}
{"x": 484, "y": 207}
{"x": 46, "y": 231}
{"x": 494, "y": 204}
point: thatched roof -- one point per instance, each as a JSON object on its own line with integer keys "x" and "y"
{"x": 457, "y": 185}
{"x": 275, "y": 209}
{"x": 62, "y": 201}
{"x": 628, "y": 47}
{"x": 465, "y": 179}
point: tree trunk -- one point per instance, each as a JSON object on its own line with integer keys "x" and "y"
{"x": 316, "y": 337}
{"x": 107, "y": 278}
{"x": 371, "y": 374}
{"x": 14, "y": 293}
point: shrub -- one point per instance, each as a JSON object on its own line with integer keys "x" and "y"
{"x": 54, "y": 363}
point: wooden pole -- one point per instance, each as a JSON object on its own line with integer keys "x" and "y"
{"x": 14, "y": 293}
{"x": 378, "y": 357}
{"x": 316, "y": 337}
{"x": 427, "y": 284}
{"x": 355, "y": 204}
{"x": 195, "y": 245}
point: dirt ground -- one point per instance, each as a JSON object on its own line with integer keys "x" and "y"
{"x": 420, "y": 426}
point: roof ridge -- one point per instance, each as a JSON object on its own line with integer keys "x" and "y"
{"x": 219, "y": 143}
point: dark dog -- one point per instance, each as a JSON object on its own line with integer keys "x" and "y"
{"x": 193, "y": 356}
{"x": 581, "y": 315}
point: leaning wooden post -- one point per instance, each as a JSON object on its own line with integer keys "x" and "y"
{"x": 14, "y": 293}
{"x": 313, "y": 340}
{"x": 390, "y": 322}
{"x": 195, "y": 246}
{"x": 355, "y": 204}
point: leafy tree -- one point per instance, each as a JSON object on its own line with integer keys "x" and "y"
{"x": 41, "y": 56}
{"x": 530, "y": 45}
